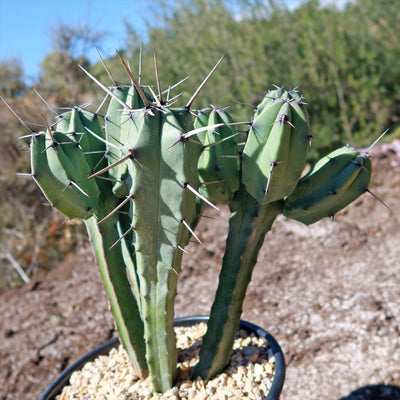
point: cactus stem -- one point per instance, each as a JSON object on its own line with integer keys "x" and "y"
{"x": 193, "y": 190}
{"x": 377, "y": 198}
{"x": 190, "y": 102}
{"x": 119, "y": 206}
{"x": 182, "y": 221}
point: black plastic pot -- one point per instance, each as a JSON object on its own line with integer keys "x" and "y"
{"x": 56, "y": 387}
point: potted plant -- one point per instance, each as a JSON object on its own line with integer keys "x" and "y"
{"x": 140, "y": 177}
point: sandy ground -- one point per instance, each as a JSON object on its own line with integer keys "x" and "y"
{"x": 329, "y": 293}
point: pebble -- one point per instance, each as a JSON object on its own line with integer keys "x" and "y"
{"x": 249, "y": 374}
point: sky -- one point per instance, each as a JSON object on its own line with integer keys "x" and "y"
{"x": 25, "y": 25}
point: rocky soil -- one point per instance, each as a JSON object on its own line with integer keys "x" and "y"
{"x": 329, "y": 293}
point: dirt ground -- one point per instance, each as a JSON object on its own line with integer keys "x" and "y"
{"x": 329, "y": 293}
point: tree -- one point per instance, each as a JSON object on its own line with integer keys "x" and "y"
{"x": 11, "y": 78}
{"x": 60, "y": 73}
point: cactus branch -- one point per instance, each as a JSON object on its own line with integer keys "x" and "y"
{"x": 248, "y": 225}
{"x": 116, "y": 284}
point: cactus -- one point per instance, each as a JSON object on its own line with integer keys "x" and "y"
{"x": 139, "y": 178}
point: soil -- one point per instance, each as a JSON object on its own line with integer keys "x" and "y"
{"x": 329, "y": 293}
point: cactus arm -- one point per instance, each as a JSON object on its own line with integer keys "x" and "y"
{"x": 247, "y": 228}
{"x": 66, "y": 198}
{"x": 276, "y": 147}
{"x": 123, "y": 304}
{"x": 335, "y": 181}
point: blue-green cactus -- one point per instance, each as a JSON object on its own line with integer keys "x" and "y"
{"x": 137, "y": 178}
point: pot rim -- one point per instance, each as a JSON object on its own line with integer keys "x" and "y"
{"x": 277, "y": 384}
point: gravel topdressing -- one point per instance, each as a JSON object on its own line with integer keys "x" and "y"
{"x": 249, "y": 374}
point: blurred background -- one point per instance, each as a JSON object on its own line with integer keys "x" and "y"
{"x": 343, "y": 56}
